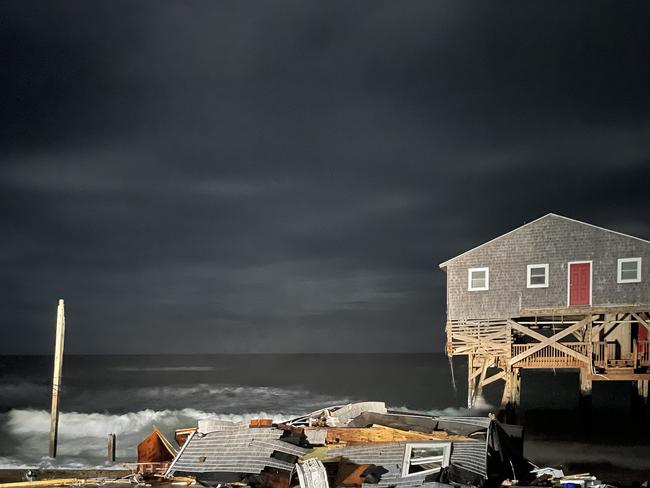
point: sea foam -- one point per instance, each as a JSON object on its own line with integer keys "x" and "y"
{"x": 83, "y": 436}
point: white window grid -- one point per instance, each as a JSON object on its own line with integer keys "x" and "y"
{"x": 470, "y": 272}
{"x": 443, "y": 459}
{"x": 619, "y": 272}
{"x": 529, "y": 275}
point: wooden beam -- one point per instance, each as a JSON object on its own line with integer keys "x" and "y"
{"x": 495, "y": 377}
{"x": 641, "y": 321}
{"x": 476, "y": 339}
{"x": 619, "y": 377}
{"x": 578, "y": 311}
{"x": 595, "y": 331}
{"x": 611, "y": 329}
{"x": 473, "y": 374}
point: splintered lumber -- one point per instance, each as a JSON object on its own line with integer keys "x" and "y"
{"x": 65, "y": 482}
{"x": 59, "y": 482}
{"x": 350, "y": 474}
{"x": 381, "y": 433}
{"x": 181, "y": 435}
{"x": 174, "y": 480}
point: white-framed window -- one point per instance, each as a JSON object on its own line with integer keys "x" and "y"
{"x": 478, "y": 279}
{"x": 629, "y": 270}
{"x": 537, "y": 275}
{"x": 425, "y": 457}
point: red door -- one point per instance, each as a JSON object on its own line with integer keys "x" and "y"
{"x": 579, "y": 284}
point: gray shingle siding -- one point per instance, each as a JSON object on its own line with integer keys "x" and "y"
{"x": 551, "y": 240}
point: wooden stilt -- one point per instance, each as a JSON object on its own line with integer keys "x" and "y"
{"x": 511, "y": 395}
{"x": 481, "y": 380}
{"x": 56, "y": 377}
{"x": 516, "y": 388}
{"x": 640, "y": 408}
{"x": 585, "y": 386}
{"x": 641, "y": 392}
{"x": 643, "y": 387}
{"x": 470, "y": 381}
{"x": 111, "y": 447}
{"x": 584, "y": 401}
{"x": 507, "y": 389}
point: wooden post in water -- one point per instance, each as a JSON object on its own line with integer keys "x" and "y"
{"x": 56, "y": 378}
{"x": 111, "y": 447}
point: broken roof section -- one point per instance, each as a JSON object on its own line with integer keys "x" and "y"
{"x": 236, "y": 448}
{"x": 155, "y": 452}
{"x": 550, "y": 216}
{"x": 339, "y": 415}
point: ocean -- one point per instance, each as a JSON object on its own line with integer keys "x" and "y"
{"x": 128, "y": 394}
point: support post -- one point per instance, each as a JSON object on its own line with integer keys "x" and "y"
{"x": 642, "y": 389}
{"x": 470, "y": 381}
{"x": 56, "y": 377}
{"x": 516, "y": 388}
{"x": 585, "y": 389}
{"x": 111, "y": 447}
{"x": 511, "y": 395}
{"x": 585, "y": 400}
{"x": 640, "y": 406}
{"x": 640, "y": 394}
{"x": 479, "y": 389}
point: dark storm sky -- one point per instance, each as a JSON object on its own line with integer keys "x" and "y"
{"x": 277, "y": 176}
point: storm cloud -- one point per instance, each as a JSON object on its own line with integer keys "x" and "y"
{"x": 286, "y": 176}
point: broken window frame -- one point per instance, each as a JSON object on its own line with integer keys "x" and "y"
{"x": 408, "y": 462}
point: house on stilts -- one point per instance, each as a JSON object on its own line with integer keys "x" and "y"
{"x": 553, "y": 293}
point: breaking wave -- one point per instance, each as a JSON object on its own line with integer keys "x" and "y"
{"x": 83, "y": 436}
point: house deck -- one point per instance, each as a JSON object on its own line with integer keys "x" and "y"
{"x": 572, "y": 338}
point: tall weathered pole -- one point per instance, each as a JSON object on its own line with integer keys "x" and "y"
{"x": 56, "y": 378}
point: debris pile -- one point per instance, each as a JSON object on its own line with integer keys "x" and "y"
{"x": 361, "y": 445}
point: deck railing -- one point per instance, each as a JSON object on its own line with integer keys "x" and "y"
{"x": 608, "y": 354}
{"x": 549, "y": 357}
{"x": 477, "y": 337}
{"x": 643, "y": 353}
{"x": 604, "y": 353}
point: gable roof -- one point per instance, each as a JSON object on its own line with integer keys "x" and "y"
{"x": 444, "y": 264}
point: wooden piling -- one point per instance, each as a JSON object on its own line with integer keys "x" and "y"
{"x": 585, "y": 388}
{"x": 511, "y": 395}
{"x": 642, "y": 389}
{"x": 471, "y": 383}
{"x": 111, "y": 447}
{"x": 585, "y": 401}
{"x": 56, "y": 377}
